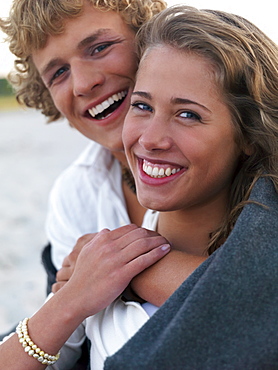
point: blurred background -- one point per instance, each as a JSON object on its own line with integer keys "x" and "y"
{"x": 32, "y": 155}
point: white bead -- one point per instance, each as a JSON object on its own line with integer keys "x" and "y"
{"x": 31, "y": 348}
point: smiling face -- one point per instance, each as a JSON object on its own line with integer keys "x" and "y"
{"x": 178, "y": 134}
{"x": 89, "y": 70}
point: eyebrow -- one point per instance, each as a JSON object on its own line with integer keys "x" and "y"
{"x": 148, "y": 96}
{"x": 93, "y": 37}
{"x": 143, "y": 94}
{"x": 83, "y": 43}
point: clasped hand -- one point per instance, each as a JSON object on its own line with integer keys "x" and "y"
{"x": 101, "y": 265}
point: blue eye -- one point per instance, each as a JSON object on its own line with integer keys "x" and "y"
{"x": 100, "y": 48}
{"x": 142, "y": 106}
{"x": 58, "y": 73}
{"x": 190, "y": 115}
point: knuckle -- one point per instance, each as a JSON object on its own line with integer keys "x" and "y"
{"x": 58, "y": 276}
{"x": 81, "y": 240}
{"x": 54, "y": 288}
{"x": 73, "y": 255}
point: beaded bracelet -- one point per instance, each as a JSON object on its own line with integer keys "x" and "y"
{"x": 31, "y": 348}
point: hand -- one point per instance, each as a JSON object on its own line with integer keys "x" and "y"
{"x": 108, "y": 262}
{"x": 64, "y": 274}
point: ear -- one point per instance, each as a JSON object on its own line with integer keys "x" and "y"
{"x": 248, "y": 149}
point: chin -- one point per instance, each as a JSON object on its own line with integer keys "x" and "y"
{"x": 115, "y": 146}
{"x": 154, "y": 205}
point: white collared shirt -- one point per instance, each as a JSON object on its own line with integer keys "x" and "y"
{"x": 87, "y": 197}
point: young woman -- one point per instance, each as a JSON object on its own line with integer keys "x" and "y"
{"x": 201, "y": 138}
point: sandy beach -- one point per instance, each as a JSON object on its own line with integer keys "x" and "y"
{"x": 32, "y": 156}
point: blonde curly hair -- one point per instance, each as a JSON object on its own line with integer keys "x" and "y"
{"x": 31, "y": 22}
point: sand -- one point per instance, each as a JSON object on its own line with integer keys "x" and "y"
{"x": 32, "y": 156}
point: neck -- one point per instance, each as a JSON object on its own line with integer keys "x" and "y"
{"x": 189, "y": 231}
{"x": 135, "y": 210}
{"x": 120, "y": 156}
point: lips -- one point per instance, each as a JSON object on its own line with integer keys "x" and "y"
{"x": 108, "y": 106}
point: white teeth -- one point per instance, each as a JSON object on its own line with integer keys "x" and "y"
{"x": 115, "y": 97}
{"x": 149, "y": 170}
{"x": 168, "y": 172}
{"x": 155, "y": 171}
{"x": 106, "y": 103}
{"x": 95, "y": 111}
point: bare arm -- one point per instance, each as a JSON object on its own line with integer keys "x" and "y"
{"x": 104, "y": 268}
{"x": 158, "y": 282}
{"x": 155, "y": 284}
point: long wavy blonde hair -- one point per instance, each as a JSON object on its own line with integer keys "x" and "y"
{"x": 245, "y": 62}
{"x": 31, "y": 22}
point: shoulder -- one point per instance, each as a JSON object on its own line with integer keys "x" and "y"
{"x": 88, "y": 172}
{"x": 261, "y": 214}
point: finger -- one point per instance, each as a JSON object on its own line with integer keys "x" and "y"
{"x": 81, "y": 242}
{"x": 64, "y": 273}
{"x": 125, "y": 235}
{"x": 57, "y": 286}
{"x": 142, "y": 245}
{"x": 72, "y": 257}
{"x": 143, "y": 261}
{"x": 84, "y": 240}
{"x": 116, "y": 233}
{"x": 138, "y": 234}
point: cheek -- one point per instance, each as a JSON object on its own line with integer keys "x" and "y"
{"x": 127, "y": 135}
{"x": 60, "y": 101}
{"x": 226, "y": 159}
{"x": 130, "y": 134}
{"x": 124, "y": 64}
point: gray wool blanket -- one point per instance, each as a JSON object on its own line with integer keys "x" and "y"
{"x": 225, "y": 315}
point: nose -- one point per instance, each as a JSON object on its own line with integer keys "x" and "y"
{"x": 156, "y": 135}
{"x": 85, "y": 78}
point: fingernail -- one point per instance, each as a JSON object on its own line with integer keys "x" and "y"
{"x": 165, "y": 247}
